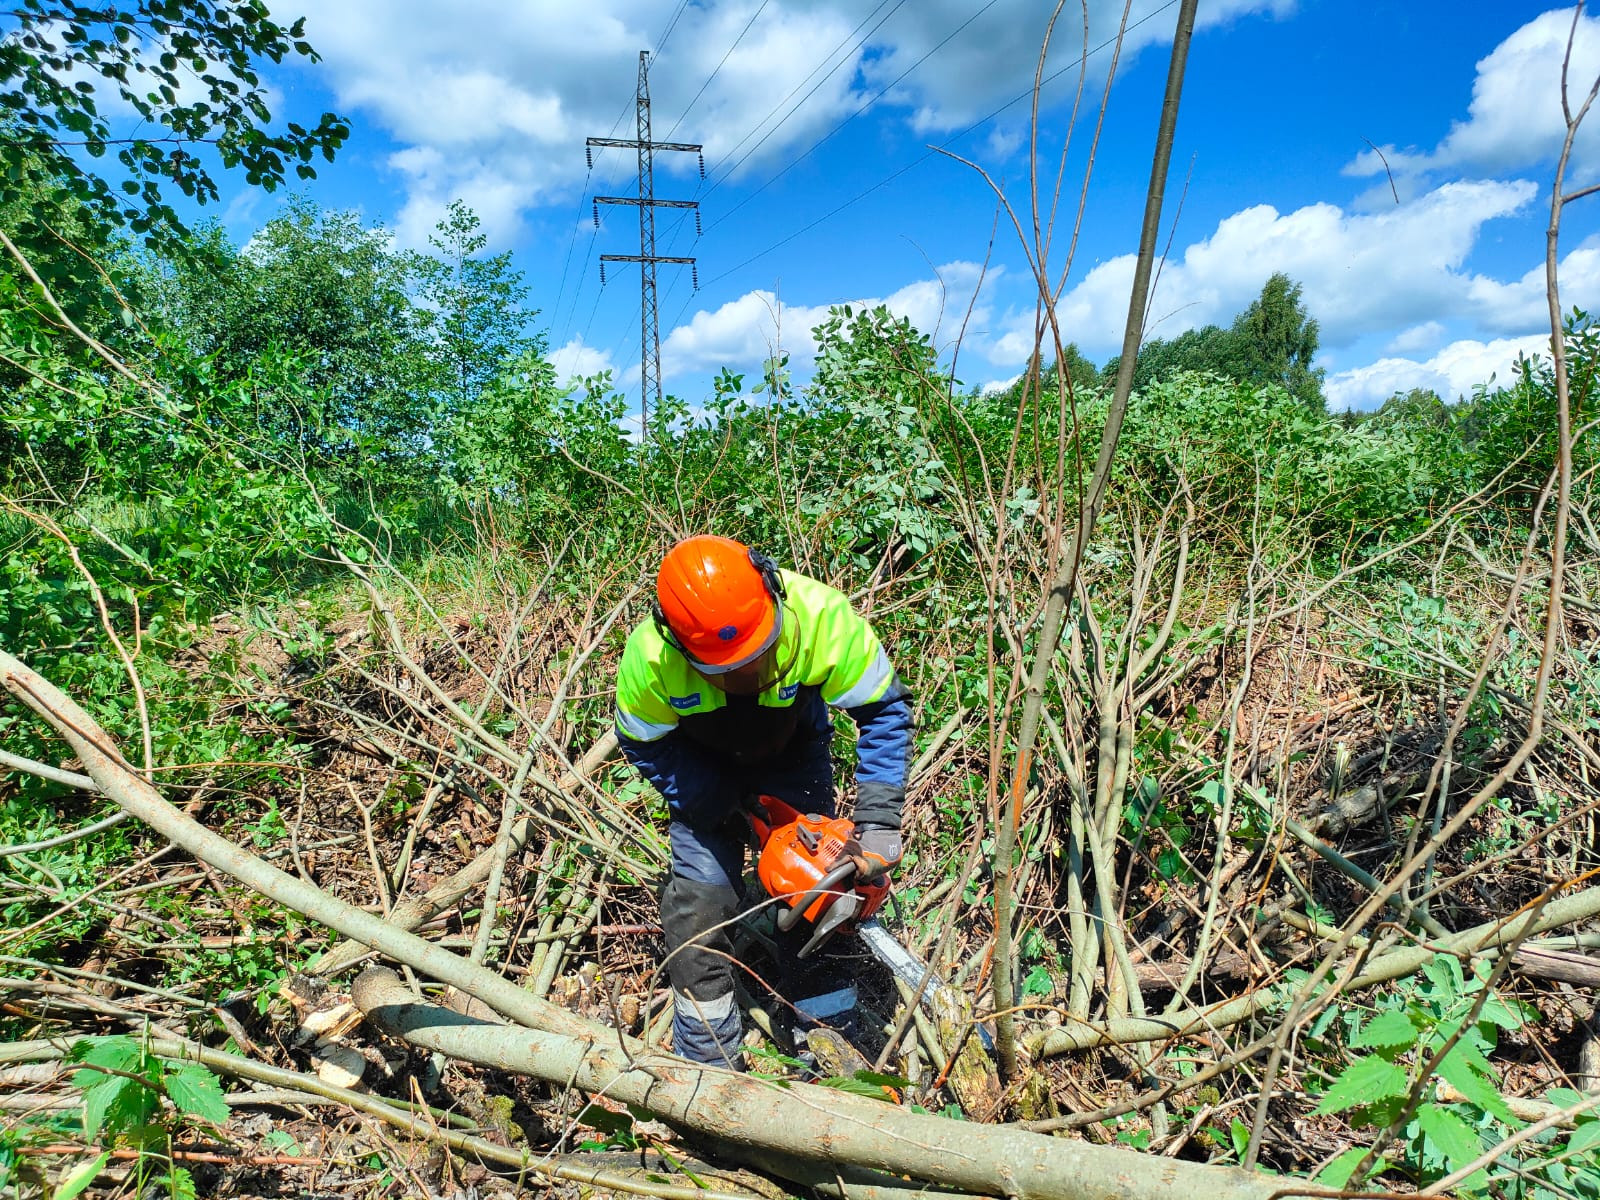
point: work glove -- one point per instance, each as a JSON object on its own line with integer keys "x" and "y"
{"x": 875, "y": 850}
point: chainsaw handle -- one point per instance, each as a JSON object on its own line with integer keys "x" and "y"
{"x": 834, "y": 881}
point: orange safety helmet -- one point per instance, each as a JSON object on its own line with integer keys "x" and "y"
{"x": 718, "y": 601}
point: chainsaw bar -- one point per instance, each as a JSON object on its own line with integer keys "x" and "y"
{"x": 936, "y": 998}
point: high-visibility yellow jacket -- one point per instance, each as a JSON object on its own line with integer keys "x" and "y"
{"x": 698, "y": 745}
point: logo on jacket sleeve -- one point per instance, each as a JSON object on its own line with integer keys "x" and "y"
{"x": 788, "y": 691}
{"x": 692, "y": 700}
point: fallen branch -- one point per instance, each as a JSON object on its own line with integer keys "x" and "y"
{"x": 118, "y": 780}
{"x": 424, "y": 1125}
{"x": 862, "y": 1140}
{"x": 1396, "y": 964}
{"x": 408, "y": 914}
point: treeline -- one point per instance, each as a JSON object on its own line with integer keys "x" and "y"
{"x": 319, "y": 374}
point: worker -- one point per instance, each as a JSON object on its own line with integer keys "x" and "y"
{"x": 722, "y": 695}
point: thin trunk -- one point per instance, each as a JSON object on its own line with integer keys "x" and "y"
{"x": 1062, "y": 586}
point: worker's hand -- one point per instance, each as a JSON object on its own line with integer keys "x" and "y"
{"x": 875, "y": 849}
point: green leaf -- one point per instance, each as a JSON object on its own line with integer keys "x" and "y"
{"x": 1337, "y": 1173}
{"x": 1388, "y": 1030}
{"x": 857, "y": 1087}
{"x": 1455, "y": 1141}
{"x": 1585, "y": 1137}
{"x": 1498, "y": 1012}
{"x": 604, "y": 1119}
{"x": 197, "y": 1093}
{"x": 1239, "y": 1135}
{"x": 80, "y": 1177}
{"x": 119, "y": 1053}
{"x": 283, "y": 1141}
{"x": 179, "y": 1184}
{"x": 1566, "y": 1098}
{"x": 1462, "y": 1073}
{"x": 1364, "y": 1081}
{"x": 882, "y": 1080}
{"x": 117, "y": 1105}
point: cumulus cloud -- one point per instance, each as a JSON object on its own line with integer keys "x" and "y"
{"x": 999, "y": 385}
{"x": 492, "y": 102}
{"x": 1360, "y": 273}
{"x": 1453, "y": 372}
{"x": 759, "y": 325}
{"x": 948, "y": 66}
{"x": 1514, "y": 120}
{"x": 576, "y": 360}
{"x": 1417, "y": 339}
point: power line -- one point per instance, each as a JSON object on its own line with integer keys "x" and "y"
{"x": 861, "y": 25}
{"x": 859, "y": 43}
{"x": 661, "y": 42}
{"x": 932, "y": 153}
{"x": 800, "y": 158}
{"x": 829, "y": 135}
{"x": 718, "y": 68}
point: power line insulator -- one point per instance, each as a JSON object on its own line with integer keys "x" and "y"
{"x": 602, "y": 274}
{"x": 702, "y": 158}
{"x": 694, "y": 277}
{"x": 588, "y": 154}
{"x": 597, "y": 214}
{"x": 697, "y": 223}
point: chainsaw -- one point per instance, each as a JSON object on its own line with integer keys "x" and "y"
{"x": 802, "y": 865}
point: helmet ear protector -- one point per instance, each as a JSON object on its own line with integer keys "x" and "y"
{"x": 766, "y": 566}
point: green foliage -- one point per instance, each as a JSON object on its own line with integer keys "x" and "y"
{"x": 1261, "y": 465}
{"x": 1275, "y": 340}
{"x": 1270, "y": 343}
{"x": 1446, "y": 1010}
{"x": 1151, "y": 816}
{"x": 1510, "y": 432}
{"x": 313, "y": 326}
{"x": 187, "y": 72}
{"x": 123, "y": 1086}
{"x": 478, "y": 323}
{"x": 875, "y": 380}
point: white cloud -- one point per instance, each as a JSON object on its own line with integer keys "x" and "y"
{"x": 999, "y": 385}
{"x": 1522, "y": 302}
{"x": 1453, "y": 372}
{"x": 1417, "y": 339}
{"x": 1360, "y": 273}
{"x": 744, "y": 333}
{"x": 575, "y": 360}
{"x": 492, "y": 102}
{"x": 1514, "y": 120}
{"x": 989, "y": 58}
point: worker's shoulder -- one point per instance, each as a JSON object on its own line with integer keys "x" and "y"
{"x": 645, "y": 648}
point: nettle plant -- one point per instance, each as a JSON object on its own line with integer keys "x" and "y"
{"x": 133, "y": 1098}
{"x": 1462, "y": 1113}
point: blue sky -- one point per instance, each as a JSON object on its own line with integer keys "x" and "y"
{"x": 1429, "y": 274}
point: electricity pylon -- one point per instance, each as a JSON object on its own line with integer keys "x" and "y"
{"x": 647, "y": 258}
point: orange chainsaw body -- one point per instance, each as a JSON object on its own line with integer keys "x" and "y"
{"x": 798, "y": 851}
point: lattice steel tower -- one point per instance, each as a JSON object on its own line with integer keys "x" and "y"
{"x": 647, "y": 258}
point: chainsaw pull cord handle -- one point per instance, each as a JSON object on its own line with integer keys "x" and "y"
{"x": 834, "y": 881}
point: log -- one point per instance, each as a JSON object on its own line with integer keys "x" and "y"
{"x": 874, "y": 1142}
{"x": 1559, "y": 965}
{"x": 1530, "y": 961}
